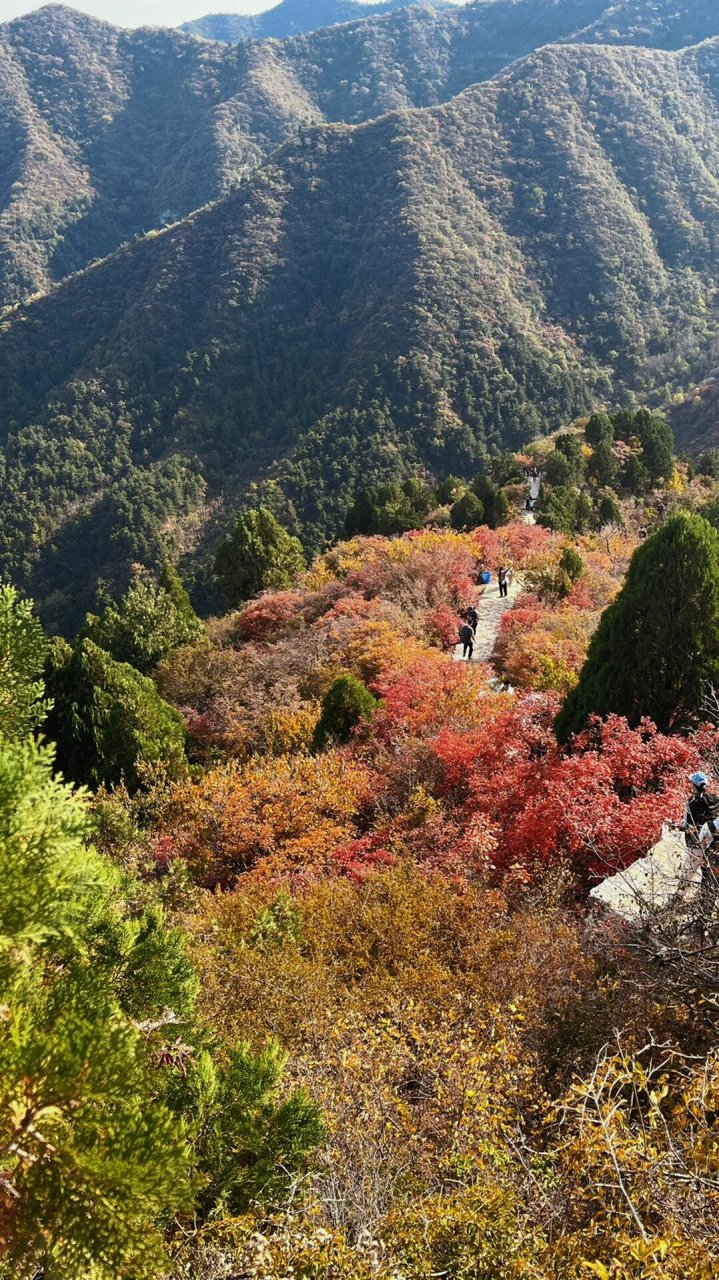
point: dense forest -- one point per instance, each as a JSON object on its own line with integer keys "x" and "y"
{"x": 107, "y": 134}
{"x": 393, "y": 298}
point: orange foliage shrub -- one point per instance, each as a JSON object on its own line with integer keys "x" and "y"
{"x": 281, "y": 818}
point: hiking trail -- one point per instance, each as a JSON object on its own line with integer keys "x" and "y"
{"x": 491, "y": 607}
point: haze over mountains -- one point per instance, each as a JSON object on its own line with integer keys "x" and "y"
{"x": 408, "y": 256}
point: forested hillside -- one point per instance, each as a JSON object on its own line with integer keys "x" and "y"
{"x": 290, "y": 18}
{"x": 400, "y": 295}
{"x": 106, "y": 134}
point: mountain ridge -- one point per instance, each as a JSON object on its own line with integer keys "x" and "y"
{"x": 393, "y": 297}
{"x": 295, "y": 17}
{"x": 143, "y": 127}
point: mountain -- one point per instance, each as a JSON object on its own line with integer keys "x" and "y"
{"x": 659, "y": 24}
{"x": 107, "y": 134}
{"x": 392, "y": 296}
{"x": 655, "y": 24}
{"x": 292, "y": 17}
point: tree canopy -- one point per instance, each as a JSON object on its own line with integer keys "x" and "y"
{"x": 656, "y": 650}
{"x": 23, "y": 649}
{"x": 258, "y": 554}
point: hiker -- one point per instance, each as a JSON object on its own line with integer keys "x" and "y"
{"x": 466, "y": 639}
{"x": 503, "y": 579}
{"x": 472, "y": 618}
{"x": 701, "y": 826}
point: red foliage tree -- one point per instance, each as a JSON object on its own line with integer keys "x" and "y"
{"x": 599, "y": 805}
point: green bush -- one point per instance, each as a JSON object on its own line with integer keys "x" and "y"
{"x": 346, "y": 703}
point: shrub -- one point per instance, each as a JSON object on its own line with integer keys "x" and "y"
{"x": 347, "y": 702}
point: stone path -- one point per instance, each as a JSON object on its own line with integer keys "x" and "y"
{"x": 669, "y": 877}
{"x": 490, "y": 607}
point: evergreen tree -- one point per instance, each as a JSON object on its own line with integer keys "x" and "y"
{"x": 23, "y": 649}
{"x": 571, "y": 446}
{"x": 450, "y": 490}
{"x": 635, "y": 477}
{"x": 467, "y": 512}
{"x": 598, "y": 429}
{"x": 505, "y": 469}
{"x": 108, "y": 720}
{"x": 360, "y": 517}
{"x": 585, "y": 517}
{"x": 110, "y": 1122}
{"x": 657, "y": 455}
{"x": 656, "y": 650}
{"x": 609, "y": 511}
{"x": 559, "y": 511}
{"x": 252, "y": 1141}
{"x": 571, "y": 563}
{"x": 420, "y": 497}
{"x": 259, "y": 554}
{"x": 149, "y": 622}
{"x": 623, "y": 424}
{"x": 395, "y": 510}
{"x": 709, "y": 464}
{"x": 603, "y": 467}
{"x": 500, "y": 509}
{"x": 345, "y": 704}
{"x": 559, "y": 470}
{"x": 657, "y": 441}
{"x": 91, "y": 1156}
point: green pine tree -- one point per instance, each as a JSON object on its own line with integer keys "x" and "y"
{"x": 91, "y": 1157}
{"x": 150, "y": 621}
{"x": 23, "y": 649}
{"x": 599, "y": 428}
{"x": 251, "y": 1140}
{"x": 108, "y": 720}
{"x": 259, "y": 554}
{"x": 559, "y": 510}
{"x": 345, "y": 704}
{"x": 603, "y": 467}
{"x": 467, "y": 512}
{"x": 656, "y": 650}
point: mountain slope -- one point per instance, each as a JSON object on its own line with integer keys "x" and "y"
{"x": 105, "y": 134}
{"x": 655, "y": 24}
{"x": 292, "y": 17}
{"x": 399, "y": 294}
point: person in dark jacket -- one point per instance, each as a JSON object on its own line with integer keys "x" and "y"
{"x": 472, "y": 618}
{"x": 466, "y": 639}
{"x": 702, "y": 807}
{"x": 701, "y": 826}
